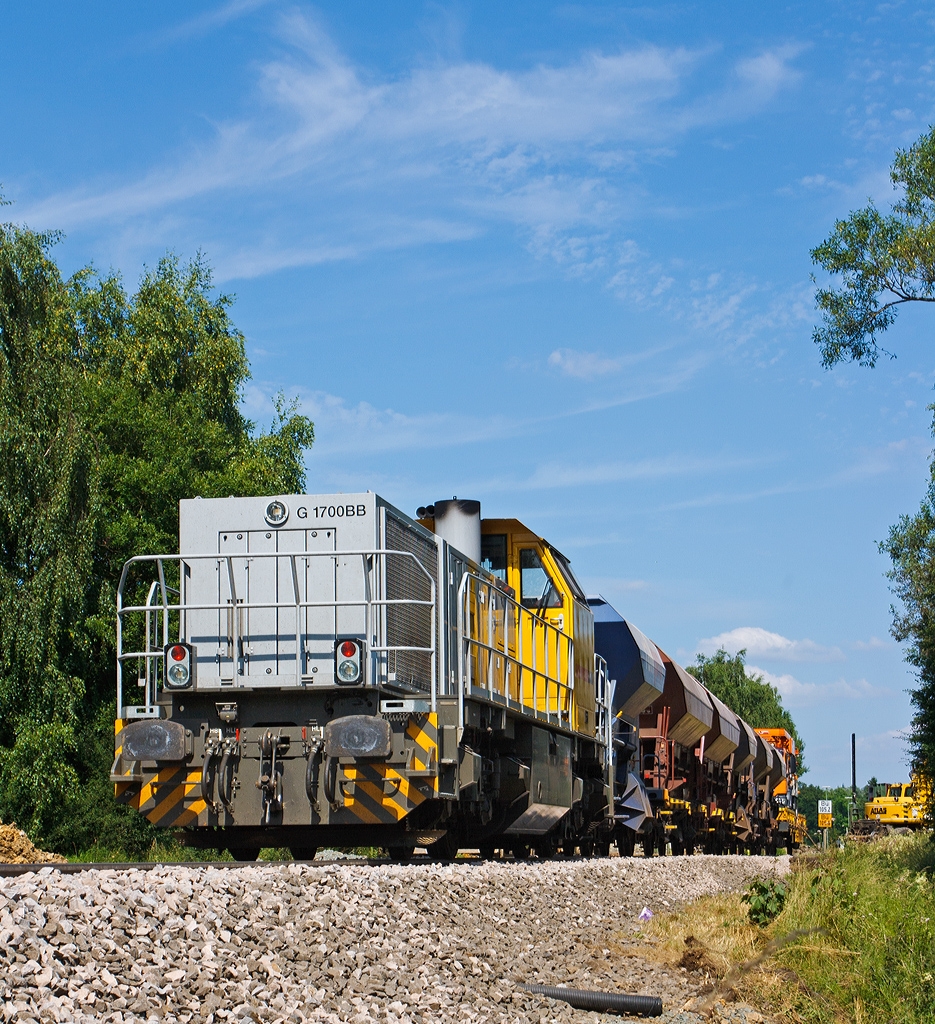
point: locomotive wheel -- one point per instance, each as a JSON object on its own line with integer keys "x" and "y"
{"x": 303, "y": 852}
{"x": 678, "y": 847}
{"x": 487, "y": 851}
{"x": 662, "y": 843}
{"x": 246, "y": 853}
{"x": 521, "y": 851}
{"x": 568, "y": 848}
{"x": 602, "y": 848}
{"x": 648, "y": 842}
{"x": 403, "y": 854}
{"x": 587, "y": 847}
{"x": 444, "y": 849}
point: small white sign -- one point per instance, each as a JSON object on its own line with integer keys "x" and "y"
{"x": 824, "y": 807}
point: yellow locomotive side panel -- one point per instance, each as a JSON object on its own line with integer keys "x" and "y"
{"x": 552, "y": 638}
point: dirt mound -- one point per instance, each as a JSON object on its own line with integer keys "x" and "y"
{"x": 17, "y": 848}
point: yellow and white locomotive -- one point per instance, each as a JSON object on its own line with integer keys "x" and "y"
{"x": 314, "y": 669}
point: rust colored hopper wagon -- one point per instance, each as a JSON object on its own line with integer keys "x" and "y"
{"x": 724, "y": 736}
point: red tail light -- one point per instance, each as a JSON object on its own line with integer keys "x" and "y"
{"x": 348, "y": 661}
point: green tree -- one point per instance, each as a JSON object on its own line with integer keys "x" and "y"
{"x": 48, "y": 509}
{"x": 757, "y": 702}
{"x": 112, "y": 408}
{"x": 884, "y": 261}
{"x": 911, "y": 546}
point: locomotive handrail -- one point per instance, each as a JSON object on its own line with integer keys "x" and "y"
{"x": 236, "y": 606}
{"x": 495, "y": 643}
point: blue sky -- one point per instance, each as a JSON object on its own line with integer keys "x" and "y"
{"x": 554, "y": 257}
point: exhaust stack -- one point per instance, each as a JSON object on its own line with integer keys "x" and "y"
{"x": 458, "y": 522}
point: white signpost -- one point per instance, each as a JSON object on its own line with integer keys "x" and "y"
{"x": 825, "y": 819}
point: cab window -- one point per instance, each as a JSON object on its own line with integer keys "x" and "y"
{"x": 895, "y": 791}
{"x": 566, "y": 570}
{"x": 493, "y": 554}
{"x": 536, "y": 587}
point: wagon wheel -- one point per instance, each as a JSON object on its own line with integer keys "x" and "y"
{"x": 626, "y": 842}
{"x": 546, "y": 847}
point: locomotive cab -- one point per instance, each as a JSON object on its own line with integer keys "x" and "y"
{"x": 545, "y": 584}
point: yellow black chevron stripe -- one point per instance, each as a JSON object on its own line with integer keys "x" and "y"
{"x": 167, "y": 796}
{"x": 423, "y": 731}
{"x": 383, "y": 794}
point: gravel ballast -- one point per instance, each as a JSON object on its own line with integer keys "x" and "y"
{"x": 345, "y": 942}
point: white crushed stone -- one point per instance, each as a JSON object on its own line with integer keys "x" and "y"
{"x": 412, "y": 943}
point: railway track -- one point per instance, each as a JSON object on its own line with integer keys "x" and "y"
{"x": 14, "y": 870}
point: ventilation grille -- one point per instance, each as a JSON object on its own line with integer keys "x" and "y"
{"x": 409, "y": 625}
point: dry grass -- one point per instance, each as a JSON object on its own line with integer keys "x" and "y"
{"x": 709, "y": 937}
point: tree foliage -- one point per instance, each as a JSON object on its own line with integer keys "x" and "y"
{"x": 757, "y": 702}
{"x": 886, "y": 260}
{"x": 112, "y": 408}
{"x": 48, "y": 508}
{"x": 911, "y": 546}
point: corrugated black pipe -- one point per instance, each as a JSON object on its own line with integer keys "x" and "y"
{"x": 613, "y": 1002}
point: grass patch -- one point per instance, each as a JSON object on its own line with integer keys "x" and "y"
{"x": 158, "y": 853}
{"x": 854, "y": 942}
{"x": 874, "y": 959}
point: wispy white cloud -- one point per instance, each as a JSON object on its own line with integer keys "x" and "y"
{"x": 801, "y": 694}
{"x": 210, "y": 20}
{"x": 342, "y": 428}
{"x": 548, "y": 149}
{"x": 345, "y": 428}
{"x": 761, "y": 643}
{"x": 907, "y": 455}
{"x": 561, "y": 474}
{"x": 873, "y": 644}
{"x": 585, "y": 365}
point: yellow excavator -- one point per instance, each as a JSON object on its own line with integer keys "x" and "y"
{"x": 896, "y": 807}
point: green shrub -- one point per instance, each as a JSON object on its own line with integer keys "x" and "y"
{"x": 766, "y": 899}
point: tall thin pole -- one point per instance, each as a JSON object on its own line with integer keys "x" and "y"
{"x": 853, "y": 774}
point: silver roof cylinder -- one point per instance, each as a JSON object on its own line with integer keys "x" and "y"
{"x": 458, "y": 522}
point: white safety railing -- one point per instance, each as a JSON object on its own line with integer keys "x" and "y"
{"x": 159, "y": 610}
{"x": 603, "y": 698}
{"x": 512, "y": 656}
